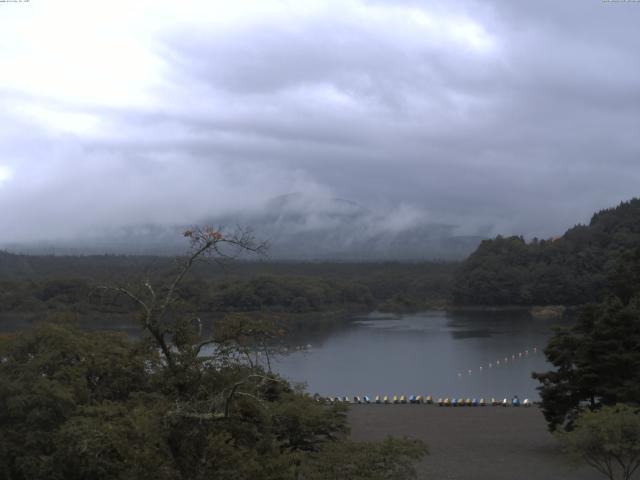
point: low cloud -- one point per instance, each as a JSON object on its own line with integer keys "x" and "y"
{"x": 491, "y": 117}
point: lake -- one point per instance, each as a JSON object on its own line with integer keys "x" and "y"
{"x": 443, "y": 354}
{"x": 438, "y": 353}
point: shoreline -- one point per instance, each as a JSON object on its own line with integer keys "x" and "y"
{"x": 483, "y": 443}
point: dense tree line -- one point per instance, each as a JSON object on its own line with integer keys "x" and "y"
{"x": 249, "y": 286}
{"x": 584, "y": 265}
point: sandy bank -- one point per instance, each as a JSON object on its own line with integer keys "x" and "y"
{"x": 492, "y": 443}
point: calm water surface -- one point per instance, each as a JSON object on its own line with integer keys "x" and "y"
{"x": 431, "y": 353}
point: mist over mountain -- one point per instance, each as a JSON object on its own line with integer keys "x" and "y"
{"x": 297, "y": 226}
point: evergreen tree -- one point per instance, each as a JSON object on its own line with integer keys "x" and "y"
{"x": 597, "y": 362}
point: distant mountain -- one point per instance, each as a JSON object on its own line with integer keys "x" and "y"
{"x": 583, "y": 265}
{"x": 297, "y": 226}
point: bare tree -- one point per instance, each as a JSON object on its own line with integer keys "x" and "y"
{"x": 155, "y": 302}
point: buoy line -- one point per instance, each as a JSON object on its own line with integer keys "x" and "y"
{"x": 502, "y": 361}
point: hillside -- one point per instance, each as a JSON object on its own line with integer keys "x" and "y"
{"x": 297, "y": 226}
{"x": 582, "y": 266}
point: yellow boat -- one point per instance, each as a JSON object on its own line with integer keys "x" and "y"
{"x": 430, "y": 400}
{"x": 395, "y": 399}
{"x": 403, "y": 399}
{"x": 386, "y": 399}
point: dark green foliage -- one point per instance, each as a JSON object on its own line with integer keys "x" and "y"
{"x": 597, "y": 362}
{"x": 93, "y": 406}
{"x": 297, "y": 288}
{"x": 582, "y": 266}
{"x": 78, "y": 405}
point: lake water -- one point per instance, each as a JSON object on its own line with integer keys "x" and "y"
{"x": 430, "y": 353}
{"x": 443, "y": 354}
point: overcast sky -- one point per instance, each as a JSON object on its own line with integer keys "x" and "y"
{"x": 498, "y": 116}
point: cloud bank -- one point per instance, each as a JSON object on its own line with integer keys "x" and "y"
{"x": 493, "y": 117}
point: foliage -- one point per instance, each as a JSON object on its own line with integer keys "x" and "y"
{"x": 64, "y": 283}
{"x": 597, "y": 362}
{"x": 607, "y": 439}
{"x": 95, "y": 405}
{"x": 584, "y": 265}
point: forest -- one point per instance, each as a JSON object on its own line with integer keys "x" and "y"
{"x": 82, "y": 404}
{"x": 584, "y": 265}
{"x": 37, "y": 284}
{"x": 99, "y": 405}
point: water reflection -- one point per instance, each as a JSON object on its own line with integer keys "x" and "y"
{"x": 437, "y": 353}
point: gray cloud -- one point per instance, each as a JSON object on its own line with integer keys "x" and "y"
{"x": 521, "y": 116}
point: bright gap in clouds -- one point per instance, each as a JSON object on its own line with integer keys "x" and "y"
{"x": 5, "y": 174}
